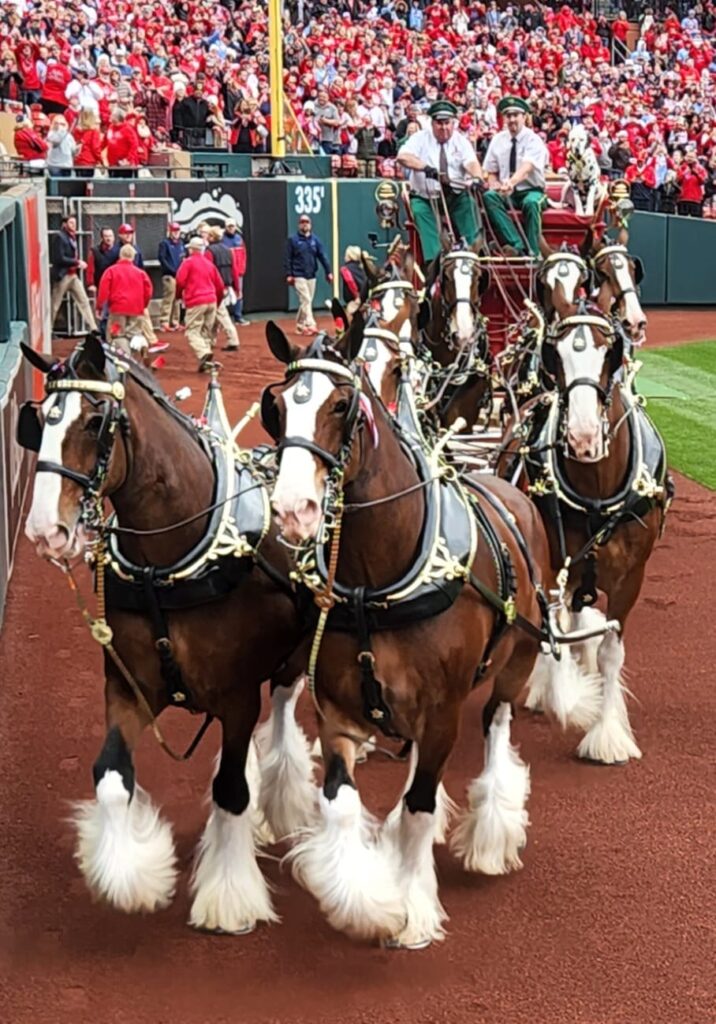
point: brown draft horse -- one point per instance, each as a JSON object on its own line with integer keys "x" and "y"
{"x": 335, "y": 441}
{"x": 105, "y": 430}
{"x": 596, "y": 467}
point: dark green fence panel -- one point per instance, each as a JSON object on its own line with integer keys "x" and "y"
{"x": 648, "y": 239}
{"x": 691, "y": 274}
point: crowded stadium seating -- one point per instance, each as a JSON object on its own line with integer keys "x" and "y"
{"x": 132, "y": 80}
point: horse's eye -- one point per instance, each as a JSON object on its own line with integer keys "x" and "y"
{"x": 93, "y": 425}
{"x": 340, "y": 407}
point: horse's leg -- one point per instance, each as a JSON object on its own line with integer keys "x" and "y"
{"x": 341, "y": 859}
{"x": 610, "y": 740}
{"x": 445, "y": 809}
{"x": 288, "y": 794}
{"x": 493, "y": 831}
{"x": 230, "y": 893}
{"x": 415, "y": 831}
{"x": 125, "y": 850}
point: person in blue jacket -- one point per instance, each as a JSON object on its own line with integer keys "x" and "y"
{"x": 170, "y": 254}
{"x": 304, "y": 251}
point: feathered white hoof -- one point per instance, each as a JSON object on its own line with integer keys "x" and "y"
{"x": 351, "y": 873}
{"x": 125, "y": 850}
{"x": 573, "y": 696}
{"x": 493, "y": 831}
{"x": 610, "y": 740}
{"x": 414, "y": 837}
{"x": 288, "y": 795}
{"x": 230, "y": 893}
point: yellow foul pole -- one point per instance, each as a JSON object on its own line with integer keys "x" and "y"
{"x": 278, "y": 142}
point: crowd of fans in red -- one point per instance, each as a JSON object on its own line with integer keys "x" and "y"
{"x": 107, "y": 83}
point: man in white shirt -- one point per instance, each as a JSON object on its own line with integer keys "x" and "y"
{"x": 436, "y": 157}
{"x": 515, "y": 162}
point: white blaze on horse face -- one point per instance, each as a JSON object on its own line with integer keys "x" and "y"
{"x": 462, "y": 321}
{"x": 378, "y": 367}
{"x": 582, "y": 360}
{"x": 391, "y": 303}
{"x": 298, "y": 492}
{"x": 44, "y": 527}
{"x": 632, "y": 313}
{"x": 566, "y": 273}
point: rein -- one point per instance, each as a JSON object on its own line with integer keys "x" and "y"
{"x": 101, "y": 632}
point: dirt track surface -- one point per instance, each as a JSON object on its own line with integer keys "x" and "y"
{"x": 674, "y": 326}
{"x": 610, "y": 922}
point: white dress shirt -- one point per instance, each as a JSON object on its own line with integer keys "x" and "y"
{"x": 426, "y": 147}
{"x": 529, "y": 147}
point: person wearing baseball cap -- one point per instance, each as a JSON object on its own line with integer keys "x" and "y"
{"x": 439, "y": 158}
{"x": 199, "y": 284}
{"x": 170, "y": 254}
{"x": 515, "y": 164}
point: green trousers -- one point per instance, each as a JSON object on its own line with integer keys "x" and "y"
{"x": 463, "y": 215}
{"x": 530, "y": 201}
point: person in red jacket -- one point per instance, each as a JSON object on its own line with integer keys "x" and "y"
{"x": 57, "y": 77}
{"x": 26, "y": 56}
{"x": 199, "y": 284}
{"x": 121, "y": 146}
{"x": 691, "y": 176}
{"x": 89, "y": 138}
{"x": 29, "y": 144}
{"x": 127, "y": 291}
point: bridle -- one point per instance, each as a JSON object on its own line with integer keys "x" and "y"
{"x": 303, "y": 369}
{"x": 613, "y": 254}
{"x": 470, "y": 262}
{"x": 580, "y": 321}
{"x": 107, "y": 396}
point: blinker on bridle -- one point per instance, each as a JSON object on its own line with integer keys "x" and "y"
{"x": 303, "y": 368}
{"x": 105, "y": 395}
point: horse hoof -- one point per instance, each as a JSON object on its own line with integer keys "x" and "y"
{"x": 397, "y": 944}
{"x": 604, "y": 764}
{"x": 244, "y": 930}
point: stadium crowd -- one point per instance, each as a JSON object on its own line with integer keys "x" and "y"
{"x": 108, "y": 83}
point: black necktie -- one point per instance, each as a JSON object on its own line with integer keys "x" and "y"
{"x": 513, "y": 156}
{"x": 443, "y": 162}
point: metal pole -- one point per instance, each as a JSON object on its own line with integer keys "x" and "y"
{"x": 278, "y": 142}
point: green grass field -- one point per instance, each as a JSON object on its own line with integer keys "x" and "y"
{"x": 680, "y": 387}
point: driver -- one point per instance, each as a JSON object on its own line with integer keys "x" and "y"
{"x": 515, "y": 162}
{"x": 435, "y": 156}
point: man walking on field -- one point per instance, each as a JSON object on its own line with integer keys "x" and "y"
{"x": 199, "y": 284}
{"x": 126, "y": 291}
{"x": 304, "y": 251}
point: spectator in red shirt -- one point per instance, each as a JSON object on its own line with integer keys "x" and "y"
{"x": 121, "y": 146}
{"x": 52, "y": 96}
{"x": 691, "y": 176}
{"x": 29, "y": 144}
{"x": 91, "y": 144}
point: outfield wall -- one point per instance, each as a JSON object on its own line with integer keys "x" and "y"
{"x": 676, "y": 251}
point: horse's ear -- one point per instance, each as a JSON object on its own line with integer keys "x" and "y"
{"x": 623, "y": 237}
{"x": 408, "y": 266}
{"x": 36, "y": 359}
{"x": 355, "y": 335}
{"x": 339, "y": 314}
{"x": 93, "y": 351}
{"x": 585, "y": 249}
{"x": 281, "y": 348}
{"x": 545, "y": 248}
